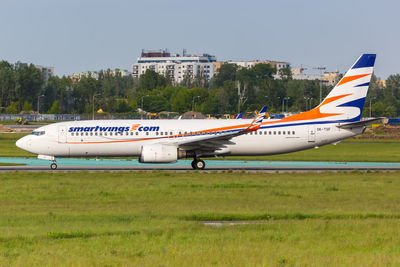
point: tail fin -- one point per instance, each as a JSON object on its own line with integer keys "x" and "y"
{"x": 345, "y": 102}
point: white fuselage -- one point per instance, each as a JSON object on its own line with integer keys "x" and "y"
{"x": 115, "y": 138}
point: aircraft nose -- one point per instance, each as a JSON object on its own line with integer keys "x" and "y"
{"x": 22, "y": 143}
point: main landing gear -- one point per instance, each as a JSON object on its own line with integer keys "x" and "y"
{"x": 53, "y": 165}
{"x": 198, "y": 164}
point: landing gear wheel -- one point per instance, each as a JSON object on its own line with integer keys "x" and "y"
{"x": 53, "y": 166}
{"x": 194, "y": 164}
{"x": 200, "y": 164}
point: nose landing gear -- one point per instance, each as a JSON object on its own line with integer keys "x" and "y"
{"x": 198, "y": 164}
{"x": 53, "y": 166}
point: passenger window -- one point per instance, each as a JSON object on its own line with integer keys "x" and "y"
{"x": 293, "y": 132}
{"x": 166, "y": 133}
{"x": 161, "y": 133}
{"x": 147, "y": 133}
{"x": 131, "y": 133}
{"x": 265, "y": 132}
{"x": 156, "y": 133}
{"x": 270, "y": 133}
{"x": 283, "y": 132}
{"x": 126, "y": 133}
{"x": 95, "y": 133}
{"x": 170, "y": 133}
{"x": 91, "y": 134}
{"x": 105, "y": 134}
{"x": 111, "y": 133}
{"x": 279, "y": 132}
{"x": 137, "y": 133}
{"x": 274, "y": 132}
{"x": 72, "y": 134}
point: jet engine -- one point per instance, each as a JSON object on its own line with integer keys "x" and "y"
{"x": 159, "y": 153}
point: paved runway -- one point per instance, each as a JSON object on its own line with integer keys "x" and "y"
{"x": 181, "y": 165}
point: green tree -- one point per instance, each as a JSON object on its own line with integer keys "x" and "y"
{"x": 151, "y": 80}
{"x": 227, "y": 72}
{"x": 84, "y": 91}
{"x": 285, "y": 73}
{"x": 12, "y": 108}
{"x": 181, "y": 100}
{"x": 7, "y": 83}
{"x": 28, "y": 83}
{"x": 27, "y": 106}
{"x": 55, "y": 108}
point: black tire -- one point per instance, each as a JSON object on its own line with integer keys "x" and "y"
{"x": 53, "y": 166}
{"x": 194, "y": 165}
{"x": 200, "y": 164}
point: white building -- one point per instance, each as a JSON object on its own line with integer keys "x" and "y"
{"x": 328, "y": 78}
{"x": 47, "y": 72}
{"x": 121, "y": 72}
{"x": 175, "y": 66}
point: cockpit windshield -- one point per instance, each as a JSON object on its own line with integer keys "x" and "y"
{"x": 38, "y": 133}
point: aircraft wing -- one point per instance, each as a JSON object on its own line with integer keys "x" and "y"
{"x": 209, "y": 143}
{"x": 217, "y": 141}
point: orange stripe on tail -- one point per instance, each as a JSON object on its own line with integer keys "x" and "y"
{"x": 351, "y": 78}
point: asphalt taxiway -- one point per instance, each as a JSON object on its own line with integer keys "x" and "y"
{"x": 34, "y": 164}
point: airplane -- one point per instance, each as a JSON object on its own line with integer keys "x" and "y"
{"x": 336, "y": 118}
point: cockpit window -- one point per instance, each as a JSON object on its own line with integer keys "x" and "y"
{"x": 38, "y": 133}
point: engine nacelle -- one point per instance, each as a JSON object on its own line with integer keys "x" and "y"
{"x": 158, "y": 153}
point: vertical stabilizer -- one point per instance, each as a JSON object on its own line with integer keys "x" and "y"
{"x": 345, "y": 102}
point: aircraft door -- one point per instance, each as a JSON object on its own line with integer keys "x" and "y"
{"x": 62, "y": 134}
{"x": 311, "y": 133}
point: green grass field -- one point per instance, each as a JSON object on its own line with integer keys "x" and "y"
{"x": 344, "y": 151}
{"x": 154, "y": 219}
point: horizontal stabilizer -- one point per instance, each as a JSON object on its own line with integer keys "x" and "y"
{"x": 359, "y": 123}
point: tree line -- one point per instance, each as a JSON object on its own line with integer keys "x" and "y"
{"x": 232, "y": 90}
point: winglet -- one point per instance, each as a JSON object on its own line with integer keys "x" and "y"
{"x": 239, "y": 116}
{"x": 263, "y": 110}
{"x": 256, "y": 123}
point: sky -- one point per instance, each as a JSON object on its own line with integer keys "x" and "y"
{"x": 76, "y": 36}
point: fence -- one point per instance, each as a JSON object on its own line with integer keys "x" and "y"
{"x": 40, "y": 117}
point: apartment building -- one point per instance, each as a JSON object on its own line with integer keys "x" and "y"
{"x": 175, "y": 66}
